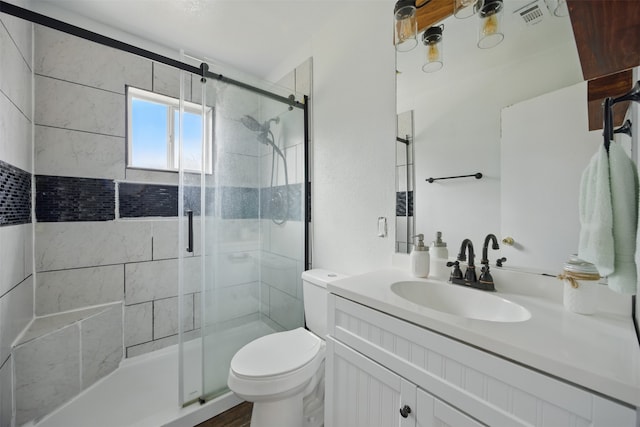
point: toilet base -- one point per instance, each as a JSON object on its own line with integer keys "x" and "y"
{"x": 282, "y": 413}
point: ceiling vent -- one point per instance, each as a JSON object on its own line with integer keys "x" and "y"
{"x": 531, "y": 14}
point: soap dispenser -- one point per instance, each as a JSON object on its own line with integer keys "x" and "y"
{"x": 439, "y": 255}
{"x": 419, "y": 258}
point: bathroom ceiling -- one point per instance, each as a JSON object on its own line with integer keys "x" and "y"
{"x": 254, "y": 36}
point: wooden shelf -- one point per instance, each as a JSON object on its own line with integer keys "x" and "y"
{"x": 607, "y": 34}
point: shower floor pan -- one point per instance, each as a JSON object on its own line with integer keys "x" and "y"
{"x": 143, "y": 391}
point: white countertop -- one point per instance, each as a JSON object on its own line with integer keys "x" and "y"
{"x": 599, "y": 352}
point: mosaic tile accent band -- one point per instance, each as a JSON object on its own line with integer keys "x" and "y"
{"x": 61, "y": 199}
{"x": 142, "y": 200}
{"x": 401, "y": 203}
{"x": 85, "y": 199}
{"x": 15, "y": 195}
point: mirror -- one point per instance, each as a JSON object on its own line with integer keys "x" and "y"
{"x": 458, "y": 120}
{"x": 404, "y": 182}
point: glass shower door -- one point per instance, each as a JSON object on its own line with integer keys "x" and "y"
{"x": 249, "y": 232}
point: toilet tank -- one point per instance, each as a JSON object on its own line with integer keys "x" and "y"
{"x": 314, "y": 288}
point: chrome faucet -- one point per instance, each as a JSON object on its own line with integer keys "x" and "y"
{"x": 470, "y": 278}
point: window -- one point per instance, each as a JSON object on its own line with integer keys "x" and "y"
{"x": 154, "y": 130}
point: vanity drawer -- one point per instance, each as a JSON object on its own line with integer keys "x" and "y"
{"x": 487, "y": 387}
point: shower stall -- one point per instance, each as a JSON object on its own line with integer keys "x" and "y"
{"x": 170, "y": 227}
{"x": 246, "y": 223}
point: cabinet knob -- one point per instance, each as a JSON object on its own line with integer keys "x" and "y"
{"x": 405, "y": 411}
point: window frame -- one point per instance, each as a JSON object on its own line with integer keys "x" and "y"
{"x": 173, "y": 105}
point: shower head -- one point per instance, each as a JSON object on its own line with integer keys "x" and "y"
{"x": 252, "y": 124}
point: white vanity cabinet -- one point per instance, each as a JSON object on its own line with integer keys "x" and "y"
{"x": 365, "y": 394}
{"x": 377, "y": 364}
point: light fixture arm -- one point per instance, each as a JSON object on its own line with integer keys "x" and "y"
{"x": 424, "y": 3}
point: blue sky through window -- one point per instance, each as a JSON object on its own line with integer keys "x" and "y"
{"x": 150, "y": 135}
{"x": 191, "y": 140}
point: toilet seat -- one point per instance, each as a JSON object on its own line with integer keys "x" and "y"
{"x": 276, "y": 354}
{"x": 276, "y": 364}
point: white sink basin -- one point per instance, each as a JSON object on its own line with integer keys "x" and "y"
{"x": 460, "y": 301}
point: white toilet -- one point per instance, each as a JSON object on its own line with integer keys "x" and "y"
{"x": 283, "y": 373}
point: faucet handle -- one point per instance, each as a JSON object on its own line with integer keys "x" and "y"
{"x": 456, "y": 273}
{"x": 470, "y": 275}
{"x": 486, "y": 280}
{"x": 499, "y": 261}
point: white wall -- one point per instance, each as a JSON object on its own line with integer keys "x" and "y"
{"x": 543, "y": 156}
{"x": 353, "y": 147}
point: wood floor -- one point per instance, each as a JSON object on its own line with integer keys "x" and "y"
{"x": 238, "y": 416}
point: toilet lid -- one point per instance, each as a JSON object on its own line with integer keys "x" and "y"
{"x": 276, "y": 354}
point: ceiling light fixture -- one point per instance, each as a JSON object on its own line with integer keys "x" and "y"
{"x": 406, "y": 27}
{"x": 465, "y": 8}
{"x": 490, "y": 30}
{"x": 406, "y": 24}
{"x": 432, "y": 39}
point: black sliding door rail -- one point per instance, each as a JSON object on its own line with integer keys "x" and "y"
{"x": 56, "y": 24}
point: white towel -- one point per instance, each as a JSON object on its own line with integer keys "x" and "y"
{"x": 596, "y": 232}
{"x": 624, "y": 203}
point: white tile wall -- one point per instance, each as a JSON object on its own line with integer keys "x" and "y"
{"x": 16, "y": 74}
{"x": 197, "y": 310}
{"x": 138, "y": 323}
{"x": 280, "y": 272}
{"x": 48, "y": 324}
{"x": 152, "y": 346}
{"x": 64, "y": 290}
{"x": 15, "y": 135}
{"x": 16, "y": 311}
{"x": 236, "y": 268}
{"x": 287, "y": 239}
{"x": 12, "y": 256}
{"x": 237, "y": 170}
{"x": 16, "y": 259}
{"x": 21, "y": 33}
{"x": 165, "y": 238}
{"x": 234, "y": 235}
{"x": 236, "y": 138}
{"x": 232, "y": 302}
{"x": 165, "y": 316}
{"x": 166, "y": 81}
{"x": 264, "y": 298}
{"x": 160, "y": 177}
{"x": 39, "y": 388}
{"x": 63, "y": 152}
{"x": 288, "y": 81}
{"x": 401, "y": 177}
{"x": 85, "y": 244}
{"x": 303, "y": 77}
{"x": 56, "y": 55}
{"x": 102, "y": 350}
{"x": 73, "y": 106}
{"x": 6, "y": 393}
{"x": 146, "y": 281}
{"x": 285, "y": 310}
